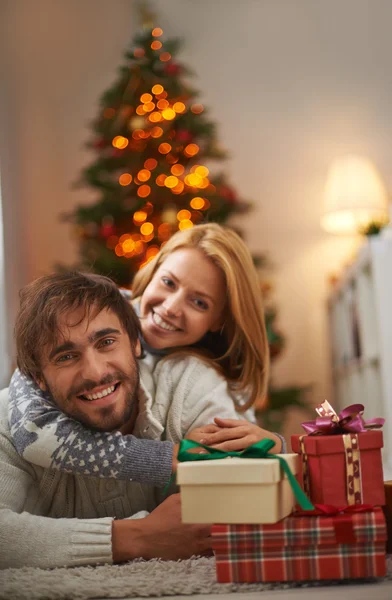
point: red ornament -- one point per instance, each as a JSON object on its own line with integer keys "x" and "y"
{"x": 99, "y": 143}
{"x": 184, "y": 136}
{"x": 228, "y": 193}
{"x": 116, "y": 152}
{"x": 172, "y": 68}
{"x": 107, "y": 230}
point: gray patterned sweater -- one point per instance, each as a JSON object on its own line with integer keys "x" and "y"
{"x": 176, "y": 394}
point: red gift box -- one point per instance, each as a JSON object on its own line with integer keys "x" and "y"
{"x": 301, "y": 548}
{"x": 342, "y": 469}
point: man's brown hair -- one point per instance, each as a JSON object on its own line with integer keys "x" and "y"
{"x": 43, "y": 300}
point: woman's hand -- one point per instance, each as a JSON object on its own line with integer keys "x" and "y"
{"x": 233, "y": 435}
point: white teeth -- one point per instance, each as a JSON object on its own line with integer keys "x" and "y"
{"x": 100, "y": 394}
{"x": 159, "y": 321}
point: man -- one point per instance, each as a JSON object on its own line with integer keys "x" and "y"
{"x": 78, "y": 338}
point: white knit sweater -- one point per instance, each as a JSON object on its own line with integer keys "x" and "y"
{"x": 51, "y": 519}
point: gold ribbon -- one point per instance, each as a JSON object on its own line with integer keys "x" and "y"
{"x": 353, "y": 468}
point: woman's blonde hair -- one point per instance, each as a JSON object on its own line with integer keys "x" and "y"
{"x": 245, "y": 362}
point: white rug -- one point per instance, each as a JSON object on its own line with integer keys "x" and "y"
{"x": 137, "y": 579}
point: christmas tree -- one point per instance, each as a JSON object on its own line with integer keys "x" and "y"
{"x": 152, "y": 139}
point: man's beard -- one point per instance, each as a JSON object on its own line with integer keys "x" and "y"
{"x": 106, "y": 418}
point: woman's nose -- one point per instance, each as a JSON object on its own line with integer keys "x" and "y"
{"x": 172, "y": 304}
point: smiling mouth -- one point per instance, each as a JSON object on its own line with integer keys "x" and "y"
{"x": 163, "y": 324}
{"x": 98, "y": 395}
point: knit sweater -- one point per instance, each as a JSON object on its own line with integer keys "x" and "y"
{"x": 46, "y": 437}
{"x": 50, "y": 518}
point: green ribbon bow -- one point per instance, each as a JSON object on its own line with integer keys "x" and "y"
{"x": 258, "y": 450}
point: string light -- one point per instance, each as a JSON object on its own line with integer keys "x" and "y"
{"x": 171, "y": 181}
{"x": 160, "y": 180}
{"x": 179, "y": 188}
{"x": 139, "y": 217}
{"x": 185, "y": 224}
{"x": 155, "y": 117}
{"x": 152, "y": 251}
{"x": 165, "y": 56}
{"x": 145, "y": 98}
{"x": 149, "y": 107}
{"x": 197, "y": 203}
{"x": 150, "y": 164}
{"x": 157, "y": 89}
{"x": 144, "y": 175}
{"x": 202, "y": 171}
{"x": 125, "y": 179}
{"x": 193, "y": 179}
{"x": 144, "y": 191}
{"x": 123, "y": 237}
{"x": 179, "y": 107}
{"x": 183, "y": 215}
{"x": 162, "y": 104}
{"x": 164, "y": 148}
{"x": 139, "y": 52}
{"x": 164, "y": 231}
{"x": 197, "y": 108}
{"x": 147, "y": 228}
{"x": 156, "y": 132}
{"x": 156, "y": 45}
{"x": 168, "y": 114}
{"x": 177, "y": 169}
{"x": 156, "y": 32}
{"x": 140, "y": 110}
{"x": 120, "y": 142}
{"x": 191, "y": 150}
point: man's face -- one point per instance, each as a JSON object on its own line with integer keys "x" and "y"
{"x": 91, "y": 371}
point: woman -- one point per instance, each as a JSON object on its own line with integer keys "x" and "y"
{"x": 205, "y": 355}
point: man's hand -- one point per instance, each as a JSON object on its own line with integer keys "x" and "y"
{"x": 234, "y": 435}
{"x": 160, "y": 535}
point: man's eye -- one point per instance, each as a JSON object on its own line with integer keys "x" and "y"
{"x": 107, "y": 342}
{"x": 168, "y": 282}
{"x": 64, "y": 358}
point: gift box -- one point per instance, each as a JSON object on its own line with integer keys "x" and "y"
{"x": 300, "y": 548}
{"x": 341, "y": 457}
{"x": 236, "y": 490}
{"x": 341, "y": 469}
{"x": 388, "y": 513}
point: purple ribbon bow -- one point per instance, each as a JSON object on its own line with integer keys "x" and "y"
{"x": 350, "y": 420}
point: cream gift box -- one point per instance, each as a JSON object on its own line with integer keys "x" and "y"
{"x": 236, "y": 490}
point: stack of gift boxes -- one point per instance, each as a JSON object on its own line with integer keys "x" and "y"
{"x": 268, "y": 528}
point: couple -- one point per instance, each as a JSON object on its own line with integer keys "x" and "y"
{"x": 90, "y": 426}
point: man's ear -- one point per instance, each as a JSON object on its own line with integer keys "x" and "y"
{"x": 40, "y": 381}
{"x": 138, "y": 349}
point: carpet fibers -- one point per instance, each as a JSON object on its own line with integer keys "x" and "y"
{"x": 139, "y": 579}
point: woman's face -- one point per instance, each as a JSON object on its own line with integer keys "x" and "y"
{"x": 183, "y": 301}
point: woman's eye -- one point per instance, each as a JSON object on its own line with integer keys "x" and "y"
{"x": 200, "y": 304}
{"x": 168, "y": 282}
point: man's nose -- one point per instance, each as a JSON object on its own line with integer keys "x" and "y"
{"x": 173, "y": 304}
{"x": 93, "y": 366}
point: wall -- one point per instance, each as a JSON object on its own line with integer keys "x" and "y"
{"x": 292, "y": 84}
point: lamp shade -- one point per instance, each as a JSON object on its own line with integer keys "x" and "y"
{"x": 354, "y": 196}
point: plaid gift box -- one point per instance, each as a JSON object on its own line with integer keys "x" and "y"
{"x": 299, "y": 548}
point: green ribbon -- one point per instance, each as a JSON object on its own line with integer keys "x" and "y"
{"x": 258, "y": 450}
